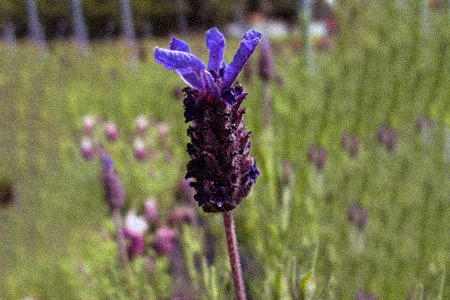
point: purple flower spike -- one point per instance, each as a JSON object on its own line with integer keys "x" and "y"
{"x": 221, "y": 168}
{"x": 215, "y": 42}
{"x": 248, "y": 44}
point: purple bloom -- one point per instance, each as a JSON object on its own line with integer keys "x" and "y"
{"x": 192, "y": 70}
{"x": 219, "y": 149}
{"x": 134, "y": 230}
{"x": 114, "y": 192}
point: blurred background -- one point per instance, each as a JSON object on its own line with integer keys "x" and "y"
{"x": 349, "y": 108}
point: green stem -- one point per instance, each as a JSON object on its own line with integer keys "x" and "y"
{"x": 234, "y": 255}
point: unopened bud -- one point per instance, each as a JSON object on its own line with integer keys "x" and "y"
{"x": 164, "y": 241}
{"x": 87, "y": 149}
{"x": 88, "y": 124}
{"x": 139, "y": 151}
{"x": 141, "y": 125}
{"x": 134, "y": 230}
{"x": 151, "y": 211}
{"x": 111, "y": 131}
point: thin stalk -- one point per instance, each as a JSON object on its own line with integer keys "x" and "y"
{"x": 120, "y": 239}
{"x": 234, "y": 255}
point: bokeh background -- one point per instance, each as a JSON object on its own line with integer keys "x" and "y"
{"x": 350, "y": 130}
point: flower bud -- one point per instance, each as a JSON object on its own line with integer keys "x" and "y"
{"x": 87, "y": 149}
{"x": 164, "y": 241}
{"x": 134, "y": 230}
{"x": 111, "y": 131}
{"x": 139, "y": 151}
{"x": 141, "y": 125}
{"x": 151, "y": 211}
{"x": 88, "y": 124}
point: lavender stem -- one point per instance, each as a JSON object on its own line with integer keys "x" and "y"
{"x": 234, "y": 255}
{"x": 120, "y": 239}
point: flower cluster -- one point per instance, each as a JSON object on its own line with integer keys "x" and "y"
{"x": 219, "y": 149}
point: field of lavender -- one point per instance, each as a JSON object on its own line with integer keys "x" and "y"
{"x": 354, "y": 156}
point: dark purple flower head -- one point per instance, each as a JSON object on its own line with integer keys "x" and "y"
{"x": 220, "y": 165}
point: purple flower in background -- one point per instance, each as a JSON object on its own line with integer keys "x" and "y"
{"x": 114, "y": 192}
{"x": 219, "y": 149}
{"x": 134, "y": 230}
{"x": 111, "y": 131}
{"x": 164, "y": 241}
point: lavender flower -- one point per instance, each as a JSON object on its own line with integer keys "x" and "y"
{"x": 219, "y": 150}
{"x": 164, "y": 241}
{"x": 139, "y": 151}
{"x": 111, "y": 131}
{"x": 114, "y": 192}
{"x": 151, "y": 211}
{"x": 87, "y": 149}
{"x": 134, "y": 230}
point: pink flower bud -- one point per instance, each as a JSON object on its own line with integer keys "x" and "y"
{"x": 134, "y": 230}
{"x": 111, "y": 131}
{"x": 164, "y": 241}
{"x": 151, "y": 211}
{"x": 88, "y": 124}
{"x": 139, "y": 151}
{"x": 141, "y": 125}
{"x": 87, "y": 148}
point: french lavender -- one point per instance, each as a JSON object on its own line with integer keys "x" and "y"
{"x": 219, "y": 149}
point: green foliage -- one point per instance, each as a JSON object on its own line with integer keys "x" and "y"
{"x": 294, "y": 236}
{"x": 98, "y": 274}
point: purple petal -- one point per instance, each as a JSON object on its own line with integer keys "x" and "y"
{"x": 215, "y": 42}
{"x": 178, "y": 45}
{"x": 192, "y": 79}
{"x": 177, "y": 60}
{"x": 247, "y": 45}
{"x": 211, "y": 84}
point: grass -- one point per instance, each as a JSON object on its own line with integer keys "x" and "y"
{"x": 293, "y": 231}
